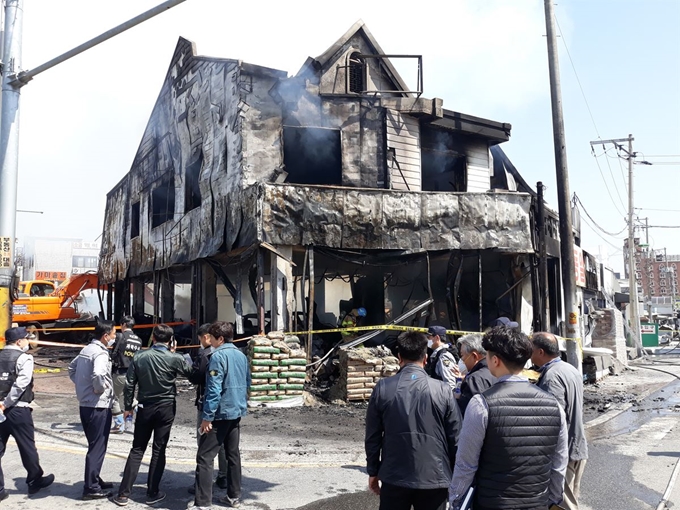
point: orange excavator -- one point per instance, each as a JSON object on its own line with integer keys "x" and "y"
{"x": 50, "y": 310}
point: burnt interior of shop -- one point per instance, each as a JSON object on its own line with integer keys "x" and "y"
{"x": 468, "y": 290}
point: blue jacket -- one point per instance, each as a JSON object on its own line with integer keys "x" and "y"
{"x": 226, "y": 385}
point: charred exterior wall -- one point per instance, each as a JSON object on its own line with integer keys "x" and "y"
{"x": 384, "y": 219}
{"x": 196, "y": 124}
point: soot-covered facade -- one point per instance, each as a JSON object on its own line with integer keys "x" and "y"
{"x": 249, "y": 184}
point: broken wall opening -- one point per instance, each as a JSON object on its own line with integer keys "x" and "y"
{"x": 192, "y": 189}
{"x": 162, "y": 203}
{"x": 134, "y": 220}
{"x": 312, "y": 155}
{"x": 443, "y": 160}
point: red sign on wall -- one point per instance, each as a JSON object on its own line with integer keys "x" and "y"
{"x": 579, "y": 267}
{"x": 50, "y": 275}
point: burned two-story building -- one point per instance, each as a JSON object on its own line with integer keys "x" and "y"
{"x": 254, "y": 193}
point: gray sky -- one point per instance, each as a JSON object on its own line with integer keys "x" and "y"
{"x": 81, "y": 122}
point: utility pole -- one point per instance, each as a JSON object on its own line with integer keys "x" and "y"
{"x": 9, "y": 156}
{"x": 573, "y": 329}
{"x": 13, "y": 78}
{"x": 634, "y": 314}
{"x": 649, "y": 272}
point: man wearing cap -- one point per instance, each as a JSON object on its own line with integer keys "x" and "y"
{"x": 503, "y": 321}
{"x": 16, "y": 393}
{"x": 442, "y": 364}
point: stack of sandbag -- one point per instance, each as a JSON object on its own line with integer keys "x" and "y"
{"x": 277, "y": 367}
{"x": 361, "y": 369}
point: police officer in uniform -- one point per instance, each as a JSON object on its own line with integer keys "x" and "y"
{"x": 127, "y": 344}
{"x": 442, "y": 364}
{"x": 16, "y": 393}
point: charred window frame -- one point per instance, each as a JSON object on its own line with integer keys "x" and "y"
{"x": 162, "y": 203}
{"x": 357, "y": 73}
{"x": 134, "y": 220}
{"x": 312, "y": 155}
{"x": 192, "y": 179}
{"x": 443, "y": 161}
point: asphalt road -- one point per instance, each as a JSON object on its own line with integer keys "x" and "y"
{"x": 313, "y": 459}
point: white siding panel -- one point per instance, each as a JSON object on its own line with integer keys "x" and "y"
{"x": 403, "y": 137}
{"x": 478, "y": 179}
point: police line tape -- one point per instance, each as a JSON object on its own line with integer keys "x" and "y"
{"x": 388, "y": 327}
{"x": 91, "y": 328}
{"x": 392, "y": 327}
{"x": 47, "y": 343}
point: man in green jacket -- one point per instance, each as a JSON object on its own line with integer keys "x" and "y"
{"x": 153, "y": 373}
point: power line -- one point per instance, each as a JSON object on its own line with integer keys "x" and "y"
{"x": 576, "y": 197}
{"x": 664, "y": 226}
{"x": 617, "y": 248}
{"x": 592, "y": 118}
{"x": 663, "y": 156}
{"x": 607, "y": 187}
{"x": 578, "y": 80}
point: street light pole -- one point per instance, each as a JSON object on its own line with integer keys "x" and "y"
{"x": 9, "y": 156}
{"x": 13, "y": 78}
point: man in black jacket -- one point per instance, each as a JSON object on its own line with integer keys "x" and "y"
{"x": 473, "y": 363}
{"x": 127, "y": 344}
{"x": 412, "y": 427}
{"x": 200, "y": 368}
{"x": 152, "y": 374}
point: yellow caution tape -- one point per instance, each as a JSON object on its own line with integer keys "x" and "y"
{"x": 388, "y": 327}
{"x": 47, "y": 370}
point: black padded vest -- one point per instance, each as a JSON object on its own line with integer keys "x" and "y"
{"x": 8, "y": 374}
{"x": 521, "y": 438}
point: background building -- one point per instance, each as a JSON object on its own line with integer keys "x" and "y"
{"x": 55, "y": 259}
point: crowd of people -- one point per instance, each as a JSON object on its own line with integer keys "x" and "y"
{"x": 115, "y": 379}
{"x": 494, "y": 441}
{"x": 461, "y": 426}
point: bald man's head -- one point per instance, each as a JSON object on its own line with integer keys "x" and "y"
{"x": 546, "y": 348}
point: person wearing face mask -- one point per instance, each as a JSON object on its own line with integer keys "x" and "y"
{"x": 16, "y": 393}
{"x": 473, "y": 365}
{"x": 198, "y": 378}
{"x": 90, "y": 371}
{"x": 125, "y": 347}
{"x": 442, "y": 364}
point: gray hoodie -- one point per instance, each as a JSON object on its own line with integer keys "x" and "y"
{"x": 90, "y": 371}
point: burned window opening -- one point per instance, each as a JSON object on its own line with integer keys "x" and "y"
{"x": 162, "y": 204}
{"x": 312, "y": 155}
{"x": 134, "y": 220}
{"x": 192, "y": 189}
{"x": 444, "y": 164}
{"x": 357, "y": 74}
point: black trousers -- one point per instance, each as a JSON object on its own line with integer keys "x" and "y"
{"x": 402, "y": 498}
{"x": 227, "y": 433}
{"x": 19, "y": 425}
{"x": 153, "y": 419}
{"x": 97, "y": 425}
